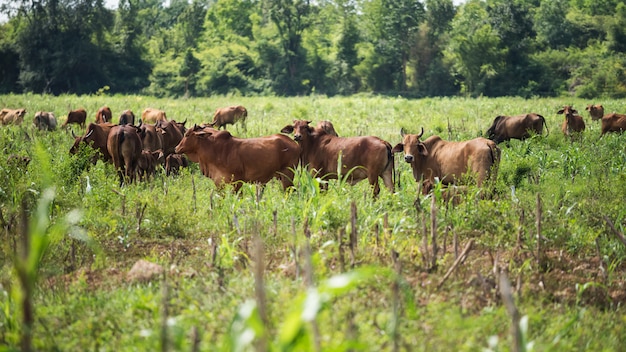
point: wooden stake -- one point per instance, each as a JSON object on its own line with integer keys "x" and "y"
{"x": 259, "y": 288}
{"x": 539, "y": 249}
{"x": 507, "y": 297}
{"x": 458, "y": 260}
{"x": 433, "y": 232}
{"x": 619, "y": 235}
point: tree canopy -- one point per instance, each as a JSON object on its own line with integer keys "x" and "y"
{"x": 296, "y": 47}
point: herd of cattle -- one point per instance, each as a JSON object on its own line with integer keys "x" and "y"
{"x": 137, "y": 150}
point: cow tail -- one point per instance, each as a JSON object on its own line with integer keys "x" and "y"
{"x": 391, "y": 163}
{"x": 543, "y": 120}
{"x": 495, "y": 164}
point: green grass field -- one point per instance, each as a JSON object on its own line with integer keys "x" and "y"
{"x": 315, "y": 289}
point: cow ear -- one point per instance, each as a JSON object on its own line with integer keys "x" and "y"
{"x": 287, "y": 129}
{"x": 398, "y": 148}
{"x": 421, "y": 149}
{"x": 574, "y": 111}
{"x": 402, "y": 131}
{"x": 560, "y": 112}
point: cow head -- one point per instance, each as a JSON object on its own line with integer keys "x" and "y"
{"x": 300, "y": 129}
{"x": 412, "y": 147}
{"x": 596, "y": 111}
{"x": 568, "y": 111}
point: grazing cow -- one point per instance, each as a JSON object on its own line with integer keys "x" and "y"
{"x": 124, "y": 145}
{"x": 78, "y": 116}
{"x": 595, "y": 111}
{"x": 104, "y": 115}
{"x": 151, "y": 139}
{"x": 361, "y": 157}
{"x": 12, "y": 116}
{"x": 573, "y": 123}
{"x": 171, "y": 134}
{"x": 45, "y": 121}
{"x": 447, "y": 161}
{"x": 227, "y": 159}
{"x": 127, "y": 118}
{"x": 327, "y": 126}
{"x": 150, "y": 115}
{"x": 505, "y": 128}
{"x": 229, "y": 115}
{"x": 174, "y": 162}
{"x": 613, "y": 123}
{"x": 95, "y": 136}
{"x": 147, "y": 163}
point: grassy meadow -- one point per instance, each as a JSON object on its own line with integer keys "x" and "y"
{"x": 315, "y": 270}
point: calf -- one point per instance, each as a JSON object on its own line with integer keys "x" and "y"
{"x": 595, "y": 111}
{"x": 174, "y": 162}
{"x": 573, "y": 123}
{"x": 12, "y": 116}
{"x": 327, "y": 127}
{"x": 229, "y": 115}
{"x": 147, "y": 163}
{"x": 78, "y": 116}
{"x": 45, "y": 121}
{"x": 361, "y": 157}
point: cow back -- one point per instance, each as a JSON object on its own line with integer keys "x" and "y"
{"x": 613, "y": 123}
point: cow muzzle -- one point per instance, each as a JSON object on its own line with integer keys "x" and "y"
{"x": 408, "y": 158}
{"x": 297, "y": 137}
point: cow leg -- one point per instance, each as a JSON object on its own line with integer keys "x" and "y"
{"x": 388, "y": 180}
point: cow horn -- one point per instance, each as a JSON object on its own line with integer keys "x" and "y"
{"x": 402, "y": 132}
{"x": 140, "y": 123}
{"x": 421, "y": 133}
{"x": 89, "y": 133}
{"x": 73, "y": 134}
{"x": 184, "y": 122}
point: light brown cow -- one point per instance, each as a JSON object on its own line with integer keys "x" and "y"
{"x": 96, "y": 136}
{"x": 78, "y": 116}
{"x": 104, "y": 115}
{"x": 12, "y": 116}
{"x": 127, "y": 118}
{"x": 45, "y": 121}
{"x": 124, "y": 145}
{"x": 595, "y": 111}
{"x": 229, "y": 115}
{"x": 613, "y": 123}
{"x": 362, "y": 158}
{"x": 573, "y": 124}
{"x": 150, "y": 115}
{"x": 227, "y": 159}
{"x": 328, "y": 127}
{"x": 447, "y": 161}
{"x": 505, "y": 128}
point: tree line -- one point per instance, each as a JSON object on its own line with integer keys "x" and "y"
{"x": 296, "y": 47}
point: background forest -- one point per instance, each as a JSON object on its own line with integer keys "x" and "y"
{"x": 334, "y": 47}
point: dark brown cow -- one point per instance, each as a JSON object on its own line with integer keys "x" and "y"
{"x": 147, "y": 163}
{"x": 150, "y": 138}
{"x": 361, "y": 157}
{"x": 171, "y": 134}
{"x": 127, "y": 118}
{"x": 124, "y": 145}
{"x": 78, "y": 116}
{"x": 595, "y": 111}
{"x": 12, "y": 116}
{"x": 573, "y": 123}
{"x": 45, "y": 121}
{"x": 229, "y": 115}
{"x": 104, "y": 115}
{"x": 328, "y": 127}
{"x": 150, "y": 115}
{"x": 449, "y": 162}
{"x": 174, "y": 162}
{"x": 505, "y": 128}
{"x": 613, "y": 123}
{"x": 95, "y": 136}
{"x": 227, "y": 159}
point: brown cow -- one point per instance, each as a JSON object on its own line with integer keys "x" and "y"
{"x": 505, "y": 128}
{"x": 327, "y": 126}
{"x": 78, "y": 116}
{"x": 95, "y": 136}
{"x": 229, "y": 115}
{"x": 447, "y": 161}
{"x": 150, "y": 115}
{"x": 361, "y": 157}
{"x": 124, "y": 145}
{"x": 573, "y": 123}
{"x": 595, "y": 111}
{"x": 171, "y": 134}
{"x": 227, "y": 159}
{"x": 127, "y": 118}
{"x": 613, "y": 123}
{"x": 45, "y": 121}
{"x": 147, "y": 163}
{"x": 174, "y": 162}
{"x": 104, "y": 115}
{"x": 150, "y": 138}
{"x": 12, "y": 116}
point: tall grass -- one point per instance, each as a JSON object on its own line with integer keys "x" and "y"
{"x": 203, "y": 236}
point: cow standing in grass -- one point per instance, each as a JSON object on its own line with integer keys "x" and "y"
{"x": 78, "y": 116}
{"x": 573, "y": 125}
{"x": 124, "y": 146}
{"x": 505, "y": 128}
{"x": 229, "y": 115}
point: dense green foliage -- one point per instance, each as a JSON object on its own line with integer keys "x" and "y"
{"x": 89, "y": 232}
{"x": 411, "y": 48}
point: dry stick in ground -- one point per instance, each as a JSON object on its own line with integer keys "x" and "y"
{"x": 275, "y": 219}
{"x": 353, "y": 234}
{"x": 164, "y": 314}
{"x": 619, "y": 235}
{"x": 294, "y": 247}
{"x": 139, "y": 214}
{"x": 259, "y": 288}
{"x": 433, "y": 232}
{"x": 123, "y": 200}
{"x": 28, "y": 309}
{"x": 539, "y": 247}
{"x": 193, "y": 195}
{"x": 308, "y": 275}
{"x": 342, "y": 262}
{"x": 195, "y": 339}
{"x": 385, "y": 228}
{"x": 507, "y": 297}
{"x": 458, "y": 261}
{"x": 602, "y": 270}
{"x": 395, "y": 291}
